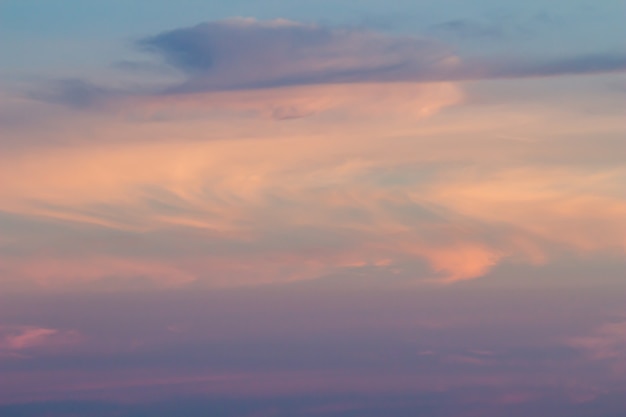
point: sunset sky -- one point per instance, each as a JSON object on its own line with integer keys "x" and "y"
{"x": 279, "y": 208}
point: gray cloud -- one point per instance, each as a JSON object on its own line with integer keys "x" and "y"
{"x": 583, "y": 64}
{"x": 239, "y": 54}
{"x": 246, "y": 53}
{"x": 242, "y": 53}
{"x": 75, "y": 93}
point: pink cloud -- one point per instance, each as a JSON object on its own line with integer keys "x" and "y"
{"x": 140, "y": 385}
{"x": 606, "y": 343}
{"x": 55, "y": 272}
{"x": 22, "y": 341}
{"x": 409, "y": 181}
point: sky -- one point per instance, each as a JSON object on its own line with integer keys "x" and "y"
{"x": 317, "y": 208}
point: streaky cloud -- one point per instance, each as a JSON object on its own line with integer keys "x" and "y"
{"x": 74, "y": 92}
{"x": 596, "y": 63}
{"x": 247, "y": 54}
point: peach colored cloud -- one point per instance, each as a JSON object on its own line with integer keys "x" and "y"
{"x": 254, "y": 200}
{"x": 581, "y": 210}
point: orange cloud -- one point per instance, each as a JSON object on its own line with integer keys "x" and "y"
{"x": 573, "y": 208}
{"x": 253, "y": 200}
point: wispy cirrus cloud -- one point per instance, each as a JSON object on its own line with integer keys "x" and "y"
{"x": 252, "y": 211}
{"x": 405, "y": 178}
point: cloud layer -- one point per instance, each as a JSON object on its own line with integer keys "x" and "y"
{"x": 247, "y": 53}
{"x": 191, "y": 190}
{"x": 288, "y": 151}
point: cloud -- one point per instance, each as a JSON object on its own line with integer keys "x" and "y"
{"x": 392, "y": 180}
{"x": 548, "y": 204}
{"x": 606, "y": 343}
{"x": 247, "y": 53}
{"x": 20, "y": 341}
{"x": 76, "y": 93}
{"x": 27, "y": 337}
{"x": 95, "y": 270}
{"x": 288, "y": 208}
{"x": 374, "y": 100}
{"x": 595, "y": 63}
